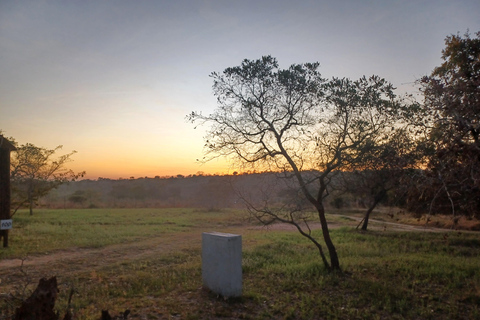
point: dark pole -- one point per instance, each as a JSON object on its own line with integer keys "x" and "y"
{"x": 5, "y": 148}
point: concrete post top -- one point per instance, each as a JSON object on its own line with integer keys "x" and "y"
{"x": 221, "y": 234}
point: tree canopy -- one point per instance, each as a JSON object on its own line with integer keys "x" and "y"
{"x": 452, "y": 106}
{"x": 35, "y": 171}
{"x": 294, "y": 121}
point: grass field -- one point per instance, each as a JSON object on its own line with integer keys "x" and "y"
{"x": 148, "y": 261}
{"x": 51, "y": 230}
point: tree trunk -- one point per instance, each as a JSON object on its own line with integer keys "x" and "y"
{"x": 30, "y": 198}
{"x": 334, "y": 262}
{"x": 376, "y": 201}
{"x": 367, "y": 215}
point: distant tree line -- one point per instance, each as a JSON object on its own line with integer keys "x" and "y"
{"x": 211, "y": 192}
{"x": 201, "y": 191}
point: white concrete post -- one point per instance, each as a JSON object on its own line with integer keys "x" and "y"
{"x": 222, "y": 263}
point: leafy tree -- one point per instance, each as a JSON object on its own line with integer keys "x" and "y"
{"x": 78, "y": 197}
{"x": 294, "y": 121}
{"x": 383, "y": 169}
{"x": 35, "y": 172}
{"x": 452, "y": 103}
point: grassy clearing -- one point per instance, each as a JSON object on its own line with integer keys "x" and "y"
{"x": 50, "y": 230}
{"x": 388, "y": 275}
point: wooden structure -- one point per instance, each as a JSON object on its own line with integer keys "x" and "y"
{"x": 5, "y": 148}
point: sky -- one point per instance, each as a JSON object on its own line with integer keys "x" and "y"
{"x": 114, "y": 80}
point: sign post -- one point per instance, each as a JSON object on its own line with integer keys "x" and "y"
{"x": 6, "y": 223}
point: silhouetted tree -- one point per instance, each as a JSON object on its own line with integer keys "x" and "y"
{"x": 451, "y": 181}
{"x": 382, "y": 169}
{"x": 292, "y": 120}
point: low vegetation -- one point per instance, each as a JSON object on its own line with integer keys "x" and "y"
{"x": 387, "y": 274}
{"x": 52, "y": 230}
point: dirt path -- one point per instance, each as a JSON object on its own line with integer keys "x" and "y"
{"x": 351, "y": 221}
{"x": 91, "y": 257}
{"x": 79, "y": 260}
{"x": 375, "y": 224}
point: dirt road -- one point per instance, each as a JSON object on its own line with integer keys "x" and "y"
{"x": 77, "y": 260}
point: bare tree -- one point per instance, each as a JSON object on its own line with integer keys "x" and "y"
{"x": 294, "y": 121}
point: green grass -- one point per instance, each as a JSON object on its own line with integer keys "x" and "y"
{"x": 387, "y": 275}
{"x": 50, "y": 230}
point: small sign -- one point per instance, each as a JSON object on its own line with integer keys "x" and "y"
{"x": 5, "y": 224}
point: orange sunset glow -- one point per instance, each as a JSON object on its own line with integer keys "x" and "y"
{"x": 115, "y": 80}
